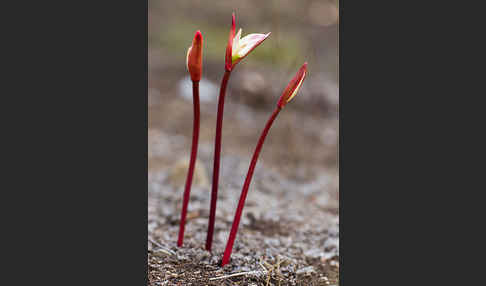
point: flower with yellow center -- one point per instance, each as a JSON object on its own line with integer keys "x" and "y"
{"x": 238, "y": 48}
{"x": 243, "y": 46}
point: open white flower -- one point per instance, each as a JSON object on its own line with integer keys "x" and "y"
{"x": 238, "y": 48}
{"x": 243, "y": 46}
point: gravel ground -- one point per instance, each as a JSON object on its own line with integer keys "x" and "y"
{"x": 289, "y": 232}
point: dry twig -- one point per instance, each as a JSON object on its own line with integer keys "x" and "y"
{"x": 255, "y": 272}
{"x": 162, "y": 248}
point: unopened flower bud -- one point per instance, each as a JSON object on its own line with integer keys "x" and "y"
{"x": 293, "y": 86}
{"x": 194, "y": 57}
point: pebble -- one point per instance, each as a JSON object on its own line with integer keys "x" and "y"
{"x": 252, "y": 82}
{"x": 161, "y": 253}
{"x": 178, "y": 173}
{"x": 208, "y": 91}
{"x": 313, "y": 253}
{"x": 306, "y": 270}
{"x": 271, "y": 241}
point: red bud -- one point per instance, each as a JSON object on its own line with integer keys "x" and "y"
{"x": 229, "y": 47}
{"x": 194, "y": 57}
{"x": 293, "y": 86}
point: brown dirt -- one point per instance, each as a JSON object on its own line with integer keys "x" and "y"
{"x": 291, "y": 213}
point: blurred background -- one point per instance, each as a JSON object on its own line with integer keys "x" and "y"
{"x": 292, "y": 208}
{"x": 303, "y": 142}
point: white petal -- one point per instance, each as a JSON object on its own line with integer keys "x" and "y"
{"x": 236, "y": 43}
{"x": 297, "y": 88}
{"x": 187, "y": 57}
{"x": 248, "y": 42}
{"x": 251, "y": 38}
{"x": 244, "y": 51}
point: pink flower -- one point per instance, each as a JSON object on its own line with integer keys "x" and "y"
{"x": 238, "y": 48}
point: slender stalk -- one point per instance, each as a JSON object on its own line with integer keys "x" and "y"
{"x": 192, "y": 162}
{"x": 246, "y": 185}
{"x": 217, "y": 152}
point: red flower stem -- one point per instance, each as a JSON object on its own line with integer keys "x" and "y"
{"x": 246, "y": 185}
{"x": 217, "y": 152}
{"x": 192, "y": 162}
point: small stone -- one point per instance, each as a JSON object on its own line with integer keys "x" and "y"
{"x": 313, "y": 253}
{"x": 161, "y": 253}
{"x": 252, "y": 82}
{"x": 306, "y": 270}
{"x": 178, "y": 173}
{"x": 272, "y": 241}
{"x": 208, "y": 91}
{"x": 202, "y": 255}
